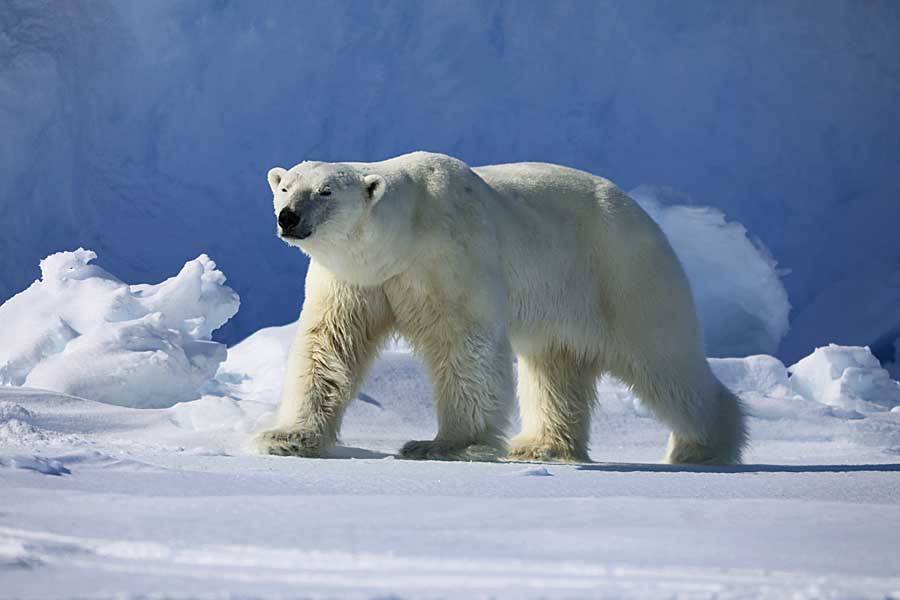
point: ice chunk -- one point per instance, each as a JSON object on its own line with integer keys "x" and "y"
{"x": 534, "y": 472}
{"x": 196, "y": 301}
{"x": 62, "y": 267}
{"x": 137, "y": 363}
{"x": 763, "y": 384}
{"x": 81, "y": 331}
{"x": 847, "y": 377}
{"x": 740, "y": 298}
{"x": 759, "y": 373}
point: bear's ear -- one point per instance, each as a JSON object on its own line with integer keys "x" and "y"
{"x": 375, "y": 185}
{"x": 275, "y": 177}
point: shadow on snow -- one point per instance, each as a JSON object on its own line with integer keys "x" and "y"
{"x": 661, "y": 468}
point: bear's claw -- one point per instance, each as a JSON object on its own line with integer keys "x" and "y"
{"x": 439, "y": 450}
{"x": 281, "y": 442}
{"x": 541, "y": 452}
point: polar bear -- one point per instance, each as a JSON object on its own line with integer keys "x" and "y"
{"x": 471, "y": 266}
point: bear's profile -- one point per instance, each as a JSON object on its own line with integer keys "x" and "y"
{"x": 469, "y": 265}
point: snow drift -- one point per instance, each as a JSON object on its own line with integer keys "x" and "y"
{"x": 741, "y": 301}
{"x": 81, "y": 331}
{"x": 847, "y": 377}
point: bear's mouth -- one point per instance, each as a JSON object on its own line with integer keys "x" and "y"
{"x": 299, "y": 233}
{"x": 305, "y": 223}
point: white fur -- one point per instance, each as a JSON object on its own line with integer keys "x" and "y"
{"x": 471, "y": 265}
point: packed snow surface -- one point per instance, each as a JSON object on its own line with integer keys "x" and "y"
{"x": 79, "y": 330}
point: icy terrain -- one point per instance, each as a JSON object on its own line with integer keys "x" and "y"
{"x": 79, "y": 330}
{"x": 131, "y": 124}
{"x": 100, "y": 500}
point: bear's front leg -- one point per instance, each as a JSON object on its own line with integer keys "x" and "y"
{"x": 473, "y": 387}
{"x": 340, "y": 331}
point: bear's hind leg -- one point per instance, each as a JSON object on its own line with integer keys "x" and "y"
{"x": 556, "y": 397}
{"x": 723, "y": 445}
{"x": 707, "y": 420}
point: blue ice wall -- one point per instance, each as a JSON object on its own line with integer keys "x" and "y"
{"x": 143, "y": 130}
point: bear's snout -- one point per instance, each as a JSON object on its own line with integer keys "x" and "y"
{"x": 287, "y": 220}
{"x": 300, "y": 224}
{"x": 292, "y": 225}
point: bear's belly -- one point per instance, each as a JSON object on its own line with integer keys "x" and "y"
{"x": 548, "y": 308}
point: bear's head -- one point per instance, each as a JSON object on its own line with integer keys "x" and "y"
{"x": 333, "y": 213}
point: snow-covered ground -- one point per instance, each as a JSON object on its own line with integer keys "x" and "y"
{"x": 100, "y": 500}
{"x": 104, "y": 499}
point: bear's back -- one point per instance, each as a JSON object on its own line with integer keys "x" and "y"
{"x": 530, "y": 198}
{"x": 545, "y": 186}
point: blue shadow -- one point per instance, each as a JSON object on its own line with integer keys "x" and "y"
{"x": 661, "y": 468}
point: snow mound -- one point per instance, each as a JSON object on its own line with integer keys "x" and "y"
{"x": 212, "y": 413}
{"x": 34, "y": 463}
{"x": 742, "y": 303}
{"x": 847, "y": 377}
{"x": 764, "y": 384}
{"x": 81, "y": 331}
{"x": 255, "y": 367}
{"x": 10, "y": 411}
{"x": 19, "y": 427}
{"x": 534, "y": 472}
{"x": 760, "y": 373}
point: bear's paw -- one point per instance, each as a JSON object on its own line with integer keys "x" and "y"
{"x": 686, "y": 452}
{"x": 442, "y": 450}
{"x": 284, "y": 442}
{"x": 537, "y": 451}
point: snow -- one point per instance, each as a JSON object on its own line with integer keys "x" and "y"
{"x": 80, "y": 330}
{"x": 131, "y": 472}
{"x": 846, "y": 377}
{"x": 740, "y": 298}
{"x": 143, "y": 130}
{"x": 134, "y": 125}
{"x": 34, "y": 463}
{"x": 102, "y": 500}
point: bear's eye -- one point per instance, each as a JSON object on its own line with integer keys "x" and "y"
{"x": 325, "y": 192}
{"x": 283, "y": 189}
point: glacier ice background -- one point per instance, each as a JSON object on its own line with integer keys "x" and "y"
{"x": 143, "y": 130}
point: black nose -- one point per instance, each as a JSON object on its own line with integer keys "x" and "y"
{"x": 287, "y": 219}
